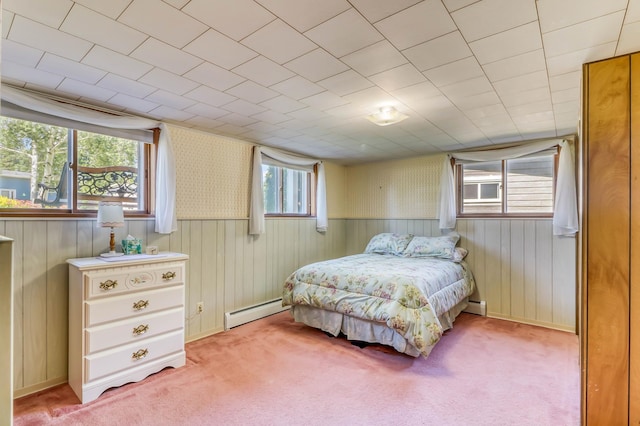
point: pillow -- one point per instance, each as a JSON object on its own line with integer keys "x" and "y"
{"x": 388, "y": 243}
{"x": 459, "y": 254}
{"x": 442, "y": 247}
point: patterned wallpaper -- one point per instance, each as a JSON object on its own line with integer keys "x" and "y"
{"x": 400, "y": 189}
{"x": 213, "y": 175}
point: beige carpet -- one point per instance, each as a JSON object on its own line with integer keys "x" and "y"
{"x": 276, "y": 372}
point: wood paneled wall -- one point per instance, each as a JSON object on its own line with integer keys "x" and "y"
{"x": 522, "y": 271}
{"x": 227, "y": 270}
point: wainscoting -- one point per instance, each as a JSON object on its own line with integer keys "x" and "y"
{"x": 227, "y": 270}
{"x": 522, "y": 271}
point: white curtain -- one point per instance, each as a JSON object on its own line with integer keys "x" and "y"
{"x": 281, "y": 158}
{"x": 565, "y": 216}
{"x": 166, "y": 220}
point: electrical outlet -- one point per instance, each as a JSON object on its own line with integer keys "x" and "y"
{"x": 199, "y": 307}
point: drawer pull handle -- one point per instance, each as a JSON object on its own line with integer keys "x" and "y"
{"x": 139, "y": 280}
{"x": 141, "y": 329}
{"x": 136, "y": 356}
{"x": 168, "y": 275}
{"x": 108, "y": 285}
{"x": 140, "y": 304}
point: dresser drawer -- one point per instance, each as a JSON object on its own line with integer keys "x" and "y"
{"x": 132, "y": 330}
{"x": 120, "y": 280}
{"x": 132, "y": 305}
{"x": 129, "y": 356}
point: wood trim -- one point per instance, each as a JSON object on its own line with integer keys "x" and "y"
{"x": 608, "y": 243}
{"x": 634, "y": 320}
{"x": 584, "y": 306}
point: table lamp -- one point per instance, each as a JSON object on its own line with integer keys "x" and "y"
{"x": 110, "y": 215}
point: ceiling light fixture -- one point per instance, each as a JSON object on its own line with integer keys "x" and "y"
{"x": 386, "y": 116}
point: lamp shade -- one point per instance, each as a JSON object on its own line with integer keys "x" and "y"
{"x": 386, "y": 116}
{"x": 110, "y": 214}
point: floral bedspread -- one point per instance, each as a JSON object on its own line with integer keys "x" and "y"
{"x": 408, "y": 294}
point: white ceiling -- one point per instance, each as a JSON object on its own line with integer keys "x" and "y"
{"x": 302, "y": 74}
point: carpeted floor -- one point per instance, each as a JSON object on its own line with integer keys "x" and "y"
{"x": 276, "y": 372}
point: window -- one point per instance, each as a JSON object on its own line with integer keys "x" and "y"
{"x": 286, "y": 191}
{"x": 52, "y": 169}
{"x": 517, "y": 187}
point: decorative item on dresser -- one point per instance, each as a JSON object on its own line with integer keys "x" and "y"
{"x": 110, "y": 215}
{"x": 126, "y": 319}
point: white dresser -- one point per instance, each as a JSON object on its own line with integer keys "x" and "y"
{"x": 126, "y": 319}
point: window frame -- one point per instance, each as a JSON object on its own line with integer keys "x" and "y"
{"x": 311, "y": 185}
{"x": 459, "y": 185}
{"x": 146, "y": 177}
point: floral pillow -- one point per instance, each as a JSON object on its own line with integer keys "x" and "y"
{"x": 443, "y": 247}
{"x": 388, "y": 243}
{"x": 459, "y": 254}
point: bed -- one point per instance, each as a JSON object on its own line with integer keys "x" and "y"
{"x": 403, "y": 291}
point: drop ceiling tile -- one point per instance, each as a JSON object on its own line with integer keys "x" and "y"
{"x": 210, "y": 96}
{"x": 629, "y": 38}
{"x": 206, "y": 111}
{"x": 441, "y": 51}
{"x": 427, "y": 20}
{"x": 42, "y": 37}
{"x": 21, "y": 73}
{"x": 566, "y": 107}
{"x": 380, "y": 9}
{"x": 164, "y": 56}
{"x": 555, "y": 14}
{"x": 486, "y": 111}
{"x": 165, "y": 112}
{"x": 297, "y": 88}
{"x": 279, "y": 42}
{"x": 178, "y": 4}
{"x": 453, "y": 5}
{"x": 454, "y": 72}
{"x": 20, "y": 54}
{"x": 397, "y": 78}
{"x": 67, "y": 68}
{"x": 252, "y": 92}
{"x": 531, "y": 108}
{"x": 132, "y": 103}
{"x": 466, "y": 88}
{"x": 220, "y": 50}
{"x": 316, "y": 65}
{"x": 492, "y": 121}
{"x": 7, "y": 21}
{"x": 633, "y": 12}
{"x": 533, "y": 80}
{"x": 480, "y": 100}
{"x": 238, "y": 120}
{"x": 490, "y": 17}
{"x": 344, "y": 33}
{"x": 169, "y": 82}
{"x": 283, "y": 104}
{"x": 595, "y": 32}
{"x": 50, "y": 13}
{"x": 345, "y": 83}
{"x": 214, "y": 76}
{"x": 166, "y": 23}
{"x": 124, "y": 85}
{"x": 305, "y": 14}
{"x": 83, "y": 89}
{"x": 372, "y": 98}
{"x": 203, "y": 123}
{"x": 229, "y": 129}
{"x": 271, "y": 117}
{"x": 516, "y": 65}
{"x": 526, "y": 96}
{"x": 573, "y": 61}
{"x": 116, "y": 63}
{"x": 237, "y": 19}
{"x": 566, "y": 95}
{"x": 324, "y": 100}
{"x": 263, "y": 71}
{"x": 417, "y": 94}
{"x": 243, "y": 107}
{"x": 96, "y": 28}
{"x": 308, "y": 114}
{"x": 374, "y": 59}
{"x": 507, "y": 43}
{"x": 111, "y": 8}
{"x": 162, "y": 97}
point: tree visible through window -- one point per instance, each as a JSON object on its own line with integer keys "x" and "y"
{"x": 286, "y": 191}
{"x": 38, "y": 163}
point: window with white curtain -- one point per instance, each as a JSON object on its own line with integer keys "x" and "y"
{"x": 286, "y": 191}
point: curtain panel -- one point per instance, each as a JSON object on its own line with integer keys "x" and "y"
{"x": 282, "y": 159}
{"x": 53, "y": 109}
{"x": 565, "y": 216}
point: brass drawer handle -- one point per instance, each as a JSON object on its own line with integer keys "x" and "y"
{"x": 141, "y": 329}
{"x": 139, "y": 280}
{"x": 136, "y": 356}
{"x": 108, "y": 285}
{"x": 168, "y": 275}
{"x": 140, "y": 304}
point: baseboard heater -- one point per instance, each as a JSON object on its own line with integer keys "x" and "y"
{"x": 478, "y": 308}
{"x": 252, "y": 313}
